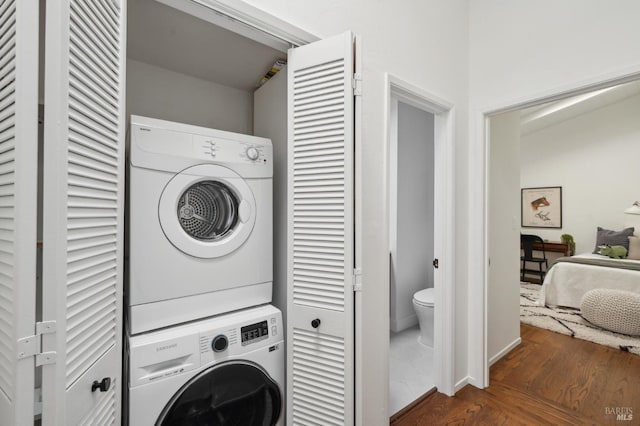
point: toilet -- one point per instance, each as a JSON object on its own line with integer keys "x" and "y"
{"x": 423, "y": 302}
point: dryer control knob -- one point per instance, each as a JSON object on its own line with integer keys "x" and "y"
{"x": 252, "y": 153}
{"x": 219, "y": 343}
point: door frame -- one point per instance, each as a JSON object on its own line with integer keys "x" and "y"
{"x": 397, "y": 89}
{"x": 242, "y": 18}
{"x": 478, "y": 195}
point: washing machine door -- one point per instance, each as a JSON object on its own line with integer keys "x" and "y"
{"x": 230, "y": 393}
{"x": 207, "y": 211}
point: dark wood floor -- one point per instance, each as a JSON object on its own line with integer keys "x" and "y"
{"x": 550, "y": 379}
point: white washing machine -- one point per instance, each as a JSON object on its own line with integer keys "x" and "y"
{"x": 200, "y": 223}
{"x": 227, "y": 370}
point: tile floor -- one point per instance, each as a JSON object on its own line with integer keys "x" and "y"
{"x": 410, "y": 369}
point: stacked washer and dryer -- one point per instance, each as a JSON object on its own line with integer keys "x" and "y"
{"x": 204, "y": 345}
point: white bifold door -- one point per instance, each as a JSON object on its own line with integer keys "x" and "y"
{"x": 83, "y": 211}
{"x": 321, "y": 249}
{"x": 18, "y": 212}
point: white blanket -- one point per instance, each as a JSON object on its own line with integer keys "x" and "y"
{"x": 566, "y": 283}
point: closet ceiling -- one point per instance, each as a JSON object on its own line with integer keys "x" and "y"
{"x": 545, "y": 115}
{"x": 163, "y": 36}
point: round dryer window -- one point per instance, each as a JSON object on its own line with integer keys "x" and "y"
{"x": 207, "y": 211}
{"x": 232, "y": 393}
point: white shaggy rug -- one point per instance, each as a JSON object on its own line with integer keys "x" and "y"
{"x": 569, "y": 321}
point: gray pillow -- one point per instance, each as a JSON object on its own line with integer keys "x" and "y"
{"x": 612, "y": 238}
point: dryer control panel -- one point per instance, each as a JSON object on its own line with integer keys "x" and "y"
{"x": 168, "y": 146}
{"x": 231, "y": 151}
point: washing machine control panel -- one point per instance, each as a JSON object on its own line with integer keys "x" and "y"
{"x": 166, "y": 353}
{"x": 254, "y": 333}
{"x": 220, "y": 343}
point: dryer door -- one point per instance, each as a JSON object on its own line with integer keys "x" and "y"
{"x": 207, "y": 211}
{"x": 230, "y": 393}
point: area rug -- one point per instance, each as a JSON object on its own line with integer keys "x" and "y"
{"x": 569, "y": 321}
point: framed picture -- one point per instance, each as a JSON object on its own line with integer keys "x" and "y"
{"x": 542, "y": 207}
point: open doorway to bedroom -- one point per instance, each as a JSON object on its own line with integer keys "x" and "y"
{"x": 583, "y": 148}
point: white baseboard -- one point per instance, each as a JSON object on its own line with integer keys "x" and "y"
{"x": 393, "y": 325}
{"x": 462, "y": 383}
{"x": 504, "y": 351}
{"x": 400, "y": 324}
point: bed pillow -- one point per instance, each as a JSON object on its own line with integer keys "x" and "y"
{"x": 612, "y": 238}
{"x": 634, "y": 248}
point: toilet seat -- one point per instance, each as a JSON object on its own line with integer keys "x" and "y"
{"x": 425, "y": 297}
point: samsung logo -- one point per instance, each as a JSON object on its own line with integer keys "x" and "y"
{"x": 165, "y": 347}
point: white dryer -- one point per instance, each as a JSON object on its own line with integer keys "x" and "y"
{"x": 200, "y": 223}
{"x": 227, "y": 370}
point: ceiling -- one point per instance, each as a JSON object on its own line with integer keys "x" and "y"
{"x": 166, "y": 37}
{"x": 545, "y": 115}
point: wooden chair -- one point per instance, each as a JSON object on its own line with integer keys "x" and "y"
{"x": 526, "y": 244}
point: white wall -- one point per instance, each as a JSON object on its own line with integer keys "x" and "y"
{"x": 159, "y": 93}
{"x": 412, "y": 253}
{"x": 523, "y": 50}
{"x": 504, "y": 240}
{"x": 594, "y": 157}
{"x": 424, "y": 42}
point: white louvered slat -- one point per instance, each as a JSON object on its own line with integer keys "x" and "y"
{"x": 91, "y": 326}
{"x": 18, "y": 188}
{"x": 321, "y": 240}
{"x": 87, "y": 226}
{"x": 7, "y": 199}
{"x": 318, "y": 398}
{"x": 318, "y": 288}
{"x": 104, "y": 413}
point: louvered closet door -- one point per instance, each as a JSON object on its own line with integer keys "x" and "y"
{"x": 320, "y": 329}
{"x": 18, "y": 213}
{"x": 83, "y": 209}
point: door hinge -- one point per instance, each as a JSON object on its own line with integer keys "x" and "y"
{"x": 357, "y": 279}
{"x": 46, "y": 358}
{"x": 357, "y": 84}
{"x": 27, "y": 346}
{"x": 32, "y": 345}
{"x": 45, "y": 327}
{"x": 436, "y": 263}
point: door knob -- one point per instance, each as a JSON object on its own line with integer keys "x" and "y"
{"x": 103, "y": 385}
{"x": 315, "y": 323}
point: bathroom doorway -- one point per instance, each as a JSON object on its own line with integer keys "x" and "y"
{"x": 411, "y": 364}
{"x": 420, "y": 243}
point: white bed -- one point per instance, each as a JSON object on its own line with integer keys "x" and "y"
{"x": 566, "y": 283}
